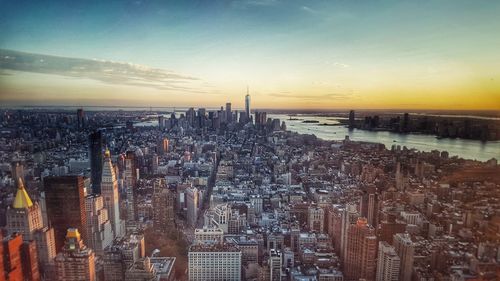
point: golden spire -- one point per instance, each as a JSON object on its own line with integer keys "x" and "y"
{"x": 22, "y": 199}
{"x": 107, "y": 154}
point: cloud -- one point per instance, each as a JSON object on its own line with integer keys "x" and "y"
{"x": 309, "y": 10}
{"x": 111, "y": 72}
{"x": 335, "y": 96}
{"x": 254, "y": 3}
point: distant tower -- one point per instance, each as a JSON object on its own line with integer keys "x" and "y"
{"x": 247, "y": 106}
{"x": 95, "y": 148}
{"x": 229, "y": 113}
{"x": 76, "y": 261}
{"x": 25, "y": 217}
{"x": 361, "y": 252}
{"x": 109, "y": 192}
{"x": 80, "y": 117}
{"x": 130, "y": 176}
{"x": 65, "y": 200}
{"x": 352, "y": 119}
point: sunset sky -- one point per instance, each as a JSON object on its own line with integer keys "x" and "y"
{"x": 292, "y": 54}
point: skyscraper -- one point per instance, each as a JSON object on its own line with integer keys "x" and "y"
{"x": 25, "y": 217}
{"x": 163, "y": 205}
{"x": 405, "y": 248}
{"x": 388, "y": 263}
{"x": 275, "y": 265}
{"x": 109, "y": 192}
{"x": 192, "y": 205}
{"x": 18, "y": 258}
{"x": 80, "y": 118}
{"x": 99, "y": 230}
{"x": 130, "y": 176}
{"x": 76, "y": 262}
{"x": 361, "y": 251}
{"x": 229, "y": 113}
{"x": 352, "y": 119}
{"x": 65, "y": 200}
{"x": 247, "y": 106}
{"x": 369, "y": 205}
{"x": 96, "y": 146}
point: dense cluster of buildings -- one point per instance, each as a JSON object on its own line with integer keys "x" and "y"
{"x": 252, "y": 200}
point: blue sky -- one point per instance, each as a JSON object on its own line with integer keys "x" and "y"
{"x": 295, "y": 53}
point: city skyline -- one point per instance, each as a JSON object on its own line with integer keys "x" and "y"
{"x": 293, "y": 54}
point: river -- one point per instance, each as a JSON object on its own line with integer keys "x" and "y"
{"x": 467, "y": 149}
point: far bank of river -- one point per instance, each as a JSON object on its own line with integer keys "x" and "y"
{"x": 468, "y": 149}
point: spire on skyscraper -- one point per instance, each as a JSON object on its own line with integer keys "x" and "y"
{"x": 22, "y": 199}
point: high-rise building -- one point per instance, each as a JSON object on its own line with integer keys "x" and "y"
{"x": 130, "y": 176}
{"x": 350, "y": 216}
{"x": 19, "y": 260}
{"x": 369, "y": 205}
{"x": 361, "y": 251}
{"x": 99, "y": 230}
{"x": 96, "y": 146}
{"x": 405, "y": 248}
{"x": 76, "y": 262}
{"x": 65, "y": 203}
{"x": 275, "y": 265}
{"x": 229, "y": 113}
{"x": 316, "y": 218}
{"x": 388, "y": 263}
{"x": 110, "y": 195}
{"x": 192, "y": 205}
{"x": 352, "y": 119}
{"x": 161, "y": 122}
{"x": 25, "y": 217}
{"x": 247, "y": 106}
{"x": 163, "y": 205}
{"x": 80, "y": 118}
{"x": 214, "y": 262}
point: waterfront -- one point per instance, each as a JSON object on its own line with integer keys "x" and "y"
{"x": 468, "y": 149}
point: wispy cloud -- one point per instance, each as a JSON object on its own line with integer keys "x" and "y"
{"x": 309, "y": 10}
{"x": 335, "y": 96}
{"x": 106, "y": 71}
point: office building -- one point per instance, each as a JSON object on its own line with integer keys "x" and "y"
{"x": 65, "y": 203}
{"x": 110, "y": 195}
{"x": 214, "y": 262}
{"x": 275, "y": 265}
{"x": 25, "y": 217}
{"x": 163, "y": 205}
{"x": 99, "y": 230}
{"x": 369, "y": 205}
{"x": 96, "y": 146}
{"x": 388, "y": 263}
{"x": 360, "y": 251}
{"x": 192, "y": 205}
{"x": 19, "y": 260}
{"x": 247, "y": 106}
{"x": 76, "y": 262}
{"x": 405, "y": 248}
{"x": 210, "y": 235}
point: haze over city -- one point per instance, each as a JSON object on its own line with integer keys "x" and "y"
{"x": 292, "y": 54}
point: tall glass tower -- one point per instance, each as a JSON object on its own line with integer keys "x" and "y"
{"x": 247, "y": 105}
